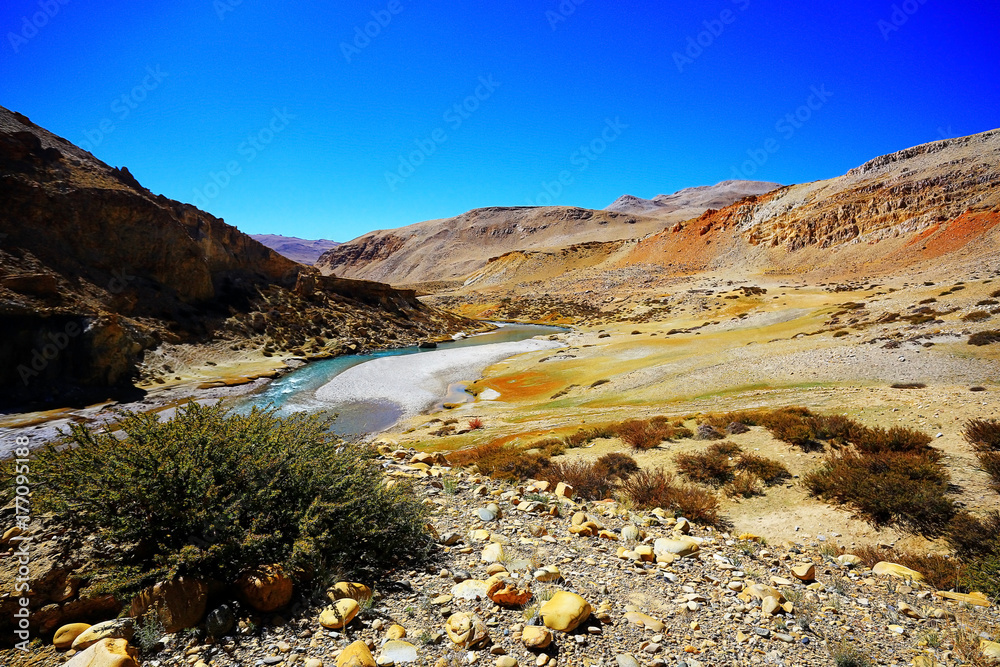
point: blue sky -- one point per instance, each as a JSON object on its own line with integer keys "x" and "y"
{"x": 287, "y": 118}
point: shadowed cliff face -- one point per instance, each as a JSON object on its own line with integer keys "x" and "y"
{"x": 95, "y": 270}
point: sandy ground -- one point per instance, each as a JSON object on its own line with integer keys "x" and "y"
{"x": 418, "y": 382}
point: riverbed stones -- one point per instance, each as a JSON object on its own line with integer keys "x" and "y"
{"x": 564, "y": 611}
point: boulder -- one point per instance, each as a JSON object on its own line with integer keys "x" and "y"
{"x": 340, "y": 614}
{"x": 266, "y": 588}
{"x": 106, "y": 653}
{"x": 898, "y": 571}
{"x": 220, "y": 621}
{"x": 804, "y": 572}
{"x": 467, "y": 631}
{"x": 565, "y": 611}
{"x": 395, "y": 652}
{"x": 356, "y": 655}
{"x": 65, "y": 635}
{"x": 118, "y": 628}
{"x": 179, "y": 603}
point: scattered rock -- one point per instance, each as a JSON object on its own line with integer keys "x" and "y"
{"x": 565, "y": 611}
{"x": 106, "y": 653}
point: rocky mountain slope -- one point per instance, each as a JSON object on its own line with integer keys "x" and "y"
{"x": 691, "y": 202}
{"x": 303, "y": 251}
{"x": 450, "y": 249}
{"x": 933, "y": 207}
{"x": 95, "y": 271}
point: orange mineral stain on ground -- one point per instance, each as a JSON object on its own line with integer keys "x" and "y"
{"x": 523, "y": 386}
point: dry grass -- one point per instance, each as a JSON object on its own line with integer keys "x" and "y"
{"x": 984, "y": 436}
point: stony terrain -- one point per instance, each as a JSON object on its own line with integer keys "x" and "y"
{"x": 524, "y": 575}
{"x": 691, "y": 202}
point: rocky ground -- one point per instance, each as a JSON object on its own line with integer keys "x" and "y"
{"x": 526, "y": 576}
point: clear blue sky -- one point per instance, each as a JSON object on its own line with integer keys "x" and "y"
{"x": 310, "y": 129}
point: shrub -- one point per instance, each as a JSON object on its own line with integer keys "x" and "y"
{"x": 908, "y": 385}
{"x": 648, "y": 489}
{"x": 899, "y": 439}
{"x": 588, "y": 480}
{"x": 847, "y": 653}
{"x": 942, "y": 572}
{"x": 766, "y": 470}
{"x": 984, "y": 436}
{"x": 833, "y": 428}
{"x": 736, "y": 428}
{"x": 985, "y": 337}
{"x": 976, "y": 316}
{"x": 617, "y": 464}
{"x": 709, "y": 467}
{"x": 643, "y": 435}
{"x": 476, "y": 423}
{"x": 743, "y": 485}
{"x": 886, "y": 488}
{"x": 210, "y": 493}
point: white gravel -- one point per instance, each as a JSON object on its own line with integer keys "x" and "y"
{"x": 417, "y": 382}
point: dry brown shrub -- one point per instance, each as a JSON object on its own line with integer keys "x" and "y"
{"x": 648, "y": 489}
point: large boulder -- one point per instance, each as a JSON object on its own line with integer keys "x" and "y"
{"x": 266, "y": 588}
{"x": 565, "y": 611}
{"x": 179, "y": 603}
{"x": 348, "y": 589}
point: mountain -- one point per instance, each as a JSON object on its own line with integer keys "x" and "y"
{"x": 96, "y": 272}
{"x": 691, "y": 202}
{"x": 303, "y": 251}
{"x": 934, "y": 207}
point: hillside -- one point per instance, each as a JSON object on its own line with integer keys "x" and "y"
{"x": 303, "y": 251}
{"x": 96, "y": 272}
{"x": 691, "y": 202}
{"x": 933, "y": 207}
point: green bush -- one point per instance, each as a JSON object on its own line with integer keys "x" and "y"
{"x": 210, "y": 493}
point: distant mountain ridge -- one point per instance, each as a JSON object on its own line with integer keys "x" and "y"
{"x": 694, "y": 201}
{"x": 303, "y": 251}
{"x": 451, "y": 248}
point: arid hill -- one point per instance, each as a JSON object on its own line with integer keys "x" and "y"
{"x": 303, "y": 251}
{"x": 691, "y": 202}
{"x": 450, "y": 249}
{"x": 95, "y": 271}
{"x": 932, "y": 207}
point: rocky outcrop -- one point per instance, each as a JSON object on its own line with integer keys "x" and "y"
{"x": 95, "y": 271}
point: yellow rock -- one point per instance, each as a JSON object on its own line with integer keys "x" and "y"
{"x": 113, "y": 629}
{"x": 749, "y": 537}
{"x": 396, "y": 631}
{"x": 356, "y": 655}
{"x": 106, "y": 653}
{"x": 480, "y": 535}
{"x": 898, "y": 571}
{"x": 536, "y": 636}
{"x": 644, "y": 621}
{"x": 547, "y": 573}
{"x": 179, "y": 603}
{"x": 349, "y": 589}
{"x": 340, "y": 614}
{"x": 266, "y": 588}
{"x": 645, "y": 553}
{"x": 975, "y": 598}
{"x": 683, "y": 546}
{"x": 495, "y": 569}
{"x": 770, "y": 606}
{"x": 850, "y": 560}
{"x": 65, "y": 635}
{"x": 804, "y": 572}
{"x": 990, "y": 650}
{"x": 760, "y": 591}
{"x": 467, "y": 630}
{"x": 506, "y": 593}
{"x": 564, "y": 490}
{"x": 607, "y": 535}
{"x": 492, "y": 553}
{"x": 565, "y": 611}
